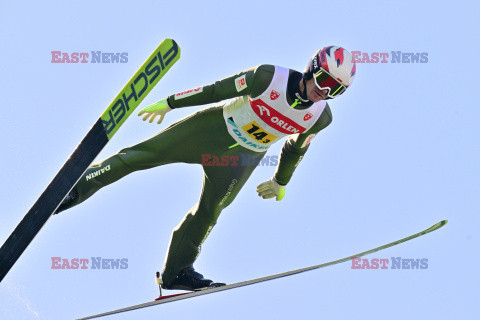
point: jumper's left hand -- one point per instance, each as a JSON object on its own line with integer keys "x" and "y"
{"x": 271, "y": 188}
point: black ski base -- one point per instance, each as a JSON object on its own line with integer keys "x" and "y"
{"x": 51, "y": 198}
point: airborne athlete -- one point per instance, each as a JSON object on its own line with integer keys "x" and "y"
{"x": 267, "y": 103}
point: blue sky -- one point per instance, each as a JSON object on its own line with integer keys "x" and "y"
{"x": 401, "y": 154}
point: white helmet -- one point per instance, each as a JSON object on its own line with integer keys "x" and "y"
{"x": 333, "y": 68}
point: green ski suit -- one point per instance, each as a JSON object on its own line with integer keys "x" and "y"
{"x": 189, "y": 140}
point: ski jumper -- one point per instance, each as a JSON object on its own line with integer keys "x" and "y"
{"x": 264, "y": 109}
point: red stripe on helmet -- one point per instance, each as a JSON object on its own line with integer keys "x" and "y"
{"x": 354, "y": 69}
{"x": 339, "y": 56}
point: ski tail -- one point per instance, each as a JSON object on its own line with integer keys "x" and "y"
{"x": 152, "y": 70}
{"x": 182, "y": 296}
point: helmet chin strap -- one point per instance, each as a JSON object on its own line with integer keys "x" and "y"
{"x": 303, "y": 95}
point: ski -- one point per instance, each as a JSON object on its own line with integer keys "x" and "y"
{"x": 152, "y": 70}
{"x": 181, "y": 296}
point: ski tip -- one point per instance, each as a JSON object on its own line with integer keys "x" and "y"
{"x": 174, "y": 44}
{"x": 437, "y": 225}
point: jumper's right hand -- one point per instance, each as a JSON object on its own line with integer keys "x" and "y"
{"x": 159, "y": 108}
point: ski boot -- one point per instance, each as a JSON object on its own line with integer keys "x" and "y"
{"x": 189, "y": 279}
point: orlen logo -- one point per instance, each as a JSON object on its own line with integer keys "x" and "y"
{"x": 274, "y": 118}
{"x": 274, "y": 95}
{"x": 308, "y": 116}
{"x": 240, "y": 83}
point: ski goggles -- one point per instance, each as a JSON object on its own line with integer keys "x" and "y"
{"x": 325, "y": 80}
